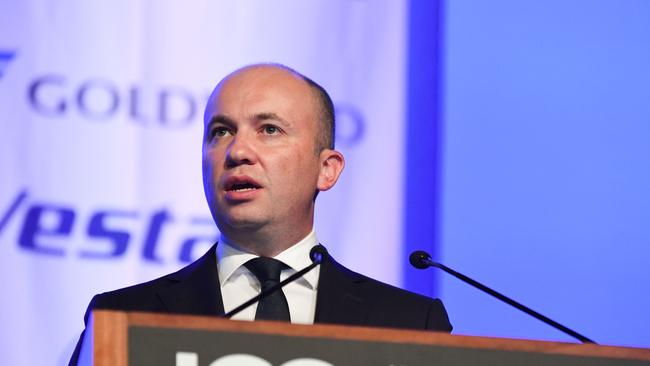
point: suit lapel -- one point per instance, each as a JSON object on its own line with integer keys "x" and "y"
{"x": 195, "y": 289}
{"x": 338, "y": 300}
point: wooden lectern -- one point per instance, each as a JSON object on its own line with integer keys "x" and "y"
{"x": 119, "y": 338}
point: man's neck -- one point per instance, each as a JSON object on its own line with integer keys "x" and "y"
{"x": 264, "y": 244}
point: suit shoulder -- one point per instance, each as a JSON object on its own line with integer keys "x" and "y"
{"x": 118, "y": 299}
{"x": 413, "y": 308}
{"x": 396, "y": 307}
{"x": 142, "y": 296}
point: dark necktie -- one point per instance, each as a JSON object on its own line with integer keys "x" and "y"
{"x": 267, "y": 270}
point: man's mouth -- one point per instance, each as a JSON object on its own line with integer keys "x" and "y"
{"x": 241, "y": 184}
{"x": 242, "y": 187}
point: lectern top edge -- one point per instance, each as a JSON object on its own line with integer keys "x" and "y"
{"x": 118, "y": 322}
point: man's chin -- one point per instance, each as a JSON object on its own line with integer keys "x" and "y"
{"x": 246, "y": 224}
{"x": 241, "y": 222}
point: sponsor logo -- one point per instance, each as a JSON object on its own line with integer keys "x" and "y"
{"x": 49, "y": 228}
{"x": 99, "y": 99}
{"x": 5, "y": 58}
{"x": 172, "y": 107}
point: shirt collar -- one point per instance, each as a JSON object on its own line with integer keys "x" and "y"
{"x": 230, "y": 258}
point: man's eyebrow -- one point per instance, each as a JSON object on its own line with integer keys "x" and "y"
{"x": 270, "y": 116}
{"x": 221, "y": 119}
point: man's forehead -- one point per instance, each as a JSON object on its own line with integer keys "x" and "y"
{"x": 264, "y": 70}
{"x": 262, "y": 78}
{"x": 260, "y": 84}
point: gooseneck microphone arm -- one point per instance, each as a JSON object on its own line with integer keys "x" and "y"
{"x": 421, "y": 260}
{"x": 316, "y": 254}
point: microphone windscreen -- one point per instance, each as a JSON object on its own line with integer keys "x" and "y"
{"x": 419, "y": 259}
{"x": 317, "y": 253}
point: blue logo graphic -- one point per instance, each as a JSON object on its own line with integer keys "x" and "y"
{"x": 49, "y": 228}
{"x": 5, "y": 59}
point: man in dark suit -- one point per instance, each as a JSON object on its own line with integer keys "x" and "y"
{"x": 268, "y": 150}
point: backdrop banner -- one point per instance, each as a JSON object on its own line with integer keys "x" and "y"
{"x": 100, "y": 143}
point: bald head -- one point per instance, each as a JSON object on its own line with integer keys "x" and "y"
{"x": 321, "y": 103}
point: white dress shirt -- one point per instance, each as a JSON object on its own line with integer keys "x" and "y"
{"x": 238, "y": 284}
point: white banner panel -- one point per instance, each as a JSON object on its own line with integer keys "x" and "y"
{"x": 100, "y": 141}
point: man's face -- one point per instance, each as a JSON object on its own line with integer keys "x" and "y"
{"x": 259, "y": 162}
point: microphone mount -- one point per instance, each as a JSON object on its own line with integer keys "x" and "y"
{"x": 422, "y": 260}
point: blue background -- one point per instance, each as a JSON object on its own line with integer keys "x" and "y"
{"x": 542, "y": 135}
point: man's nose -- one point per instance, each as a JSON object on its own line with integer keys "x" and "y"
{"x": 241, "y": 151}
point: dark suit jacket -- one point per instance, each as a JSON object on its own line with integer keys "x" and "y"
{"x": 344, "y": 297}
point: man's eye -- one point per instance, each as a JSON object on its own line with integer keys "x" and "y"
{"x": 271, "y": 130}
{"x": 220, "y": 131}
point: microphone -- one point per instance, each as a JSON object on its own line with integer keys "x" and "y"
{"x": 316, "y": 254}
{"x": 421, "y": 260}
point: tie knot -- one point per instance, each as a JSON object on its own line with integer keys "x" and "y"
{"x": 265, "y": 269}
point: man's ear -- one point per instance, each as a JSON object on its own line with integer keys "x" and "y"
{"x": 331, "y": 166}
